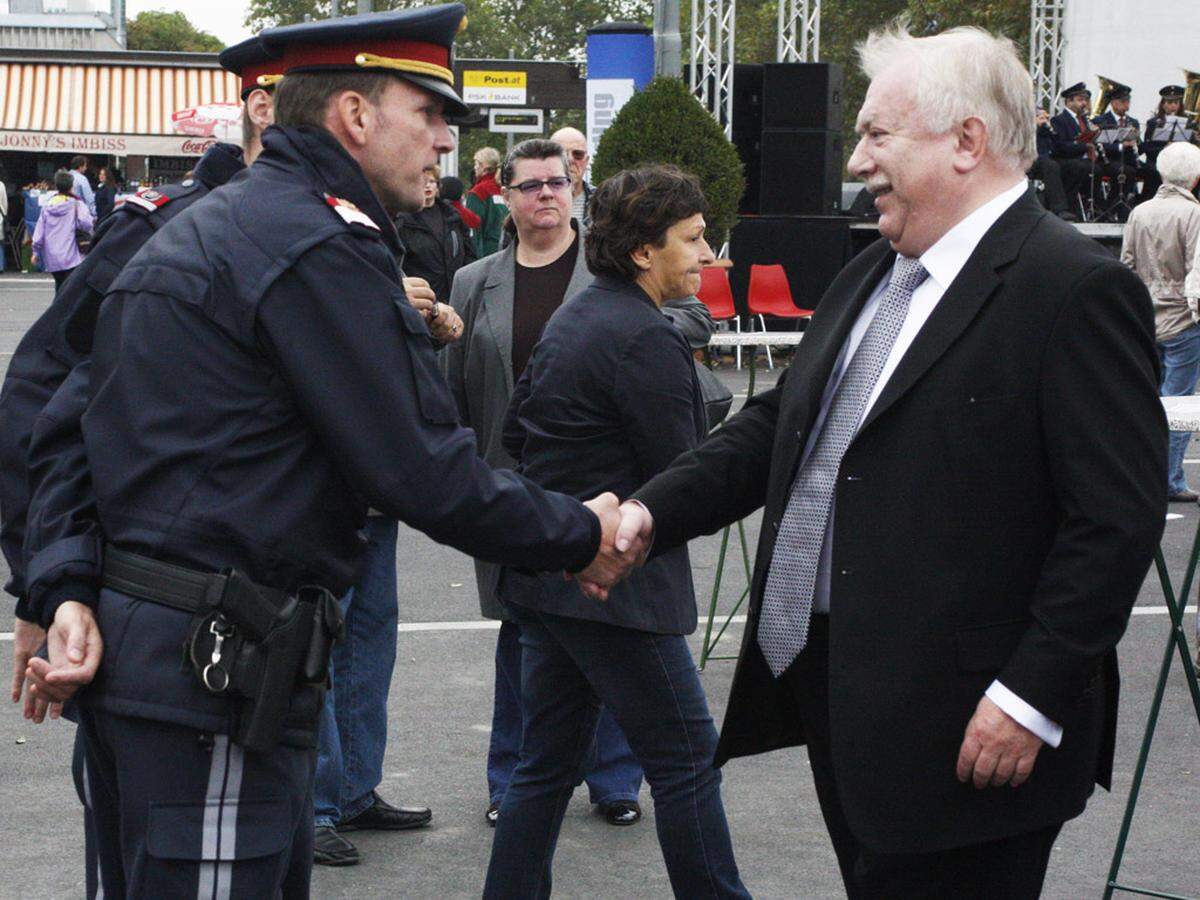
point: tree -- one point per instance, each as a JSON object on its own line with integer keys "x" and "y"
{"x": 159, "y": 30}
{"x": 529, "y": 29}
{"x": 664, "y": 123}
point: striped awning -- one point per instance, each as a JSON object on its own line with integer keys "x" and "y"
{"x": 133, "y": 102}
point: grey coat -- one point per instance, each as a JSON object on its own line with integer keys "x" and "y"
{"x": 479, "y": 365}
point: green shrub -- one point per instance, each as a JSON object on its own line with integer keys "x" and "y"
{"x": 664, "y": 123}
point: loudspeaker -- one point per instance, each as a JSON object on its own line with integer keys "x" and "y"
{"x": 747, "y": 128}
{"x": 802, "y": 95}
{"x": 811, "y": 249}
{"x": 800, "y": 172}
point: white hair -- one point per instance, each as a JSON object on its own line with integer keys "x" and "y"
{"x": 962, "y": 73}
{"x": 1179, "y": 164}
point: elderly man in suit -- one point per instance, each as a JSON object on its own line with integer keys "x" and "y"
{"x": 963, "y": 480}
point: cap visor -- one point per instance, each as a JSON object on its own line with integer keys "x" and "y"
{"x": 454, "y": 104}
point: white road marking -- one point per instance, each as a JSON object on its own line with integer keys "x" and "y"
{"x": 485, "y": 625}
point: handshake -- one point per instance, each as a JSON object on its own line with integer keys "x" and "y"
{"x": 626, "y": 530}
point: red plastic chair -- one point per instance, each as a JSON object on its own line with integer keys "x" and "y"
{"x": 770, "y": 294}
{"x": 716, "y": 294}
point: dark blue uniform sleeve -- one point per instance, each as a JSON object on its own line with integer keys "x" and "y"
{"x": 357, "y": 358}
{"x": 63, "y": 539}
{"x": 41, "y": 361}
{"x": 1065, "y": 145}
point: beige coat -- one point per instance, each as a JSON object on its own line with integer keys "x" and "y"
{"x": 1161, "y": 239}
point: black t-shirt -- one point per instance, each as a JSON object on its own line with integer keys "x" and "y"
{"x": 537, "y": 293}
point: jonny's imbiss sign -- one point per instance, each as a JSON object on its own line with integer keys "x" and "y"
{"x": 114, "y": 144}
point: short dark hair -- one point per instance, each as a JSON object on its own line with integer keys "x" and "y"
{"x": 63, "y": 182}
{"x": 451, "y": 188}
{"x": 637, "y": 207}
{"x": 77, "y": 161}
{"x": 534, "y": 148}
{"x": 301, "y": 99}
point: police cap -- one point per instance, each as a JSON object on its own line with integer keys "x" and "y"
{"x": 251, "y": 62}
{"x": 413, "y": 44}
{"x": 1075, "y": 90}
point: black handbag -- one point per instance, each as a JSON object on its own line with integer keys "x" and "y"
{"x": 715, "y": 396}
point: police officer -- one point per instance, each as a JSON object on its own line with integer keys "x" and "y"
{"x": 259, "y": 380}
{"x": 62, "y": 336}
{"x": 60, "y": 343}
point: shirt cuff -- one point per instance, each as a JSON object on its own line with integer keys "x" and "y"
{"x": 1049, "y": 731}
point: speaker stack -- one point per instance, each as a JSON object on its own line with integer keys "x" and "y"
{"x": 787, "y": 127}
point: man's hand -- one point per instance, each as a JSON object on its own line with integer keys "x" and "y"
{"x": 996, "y": 749}
{"x": 75, "y": 648}
{"x": 444, "y": 323}
{"x": 621, "y": 551}
{"x": 28, "y": 638}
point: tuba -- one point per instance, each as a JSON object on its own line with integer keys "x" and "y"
{"x": 1104, "y": 96}
{"x": 1191, "y": 94}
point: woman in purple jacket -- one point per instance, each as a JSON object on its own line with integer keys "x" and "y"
{"x": 55, "y": 245}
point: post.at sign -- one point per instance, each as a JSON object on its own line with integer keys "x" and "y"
{"x": 515, "y": 121}
{"x": 620, "y": 59}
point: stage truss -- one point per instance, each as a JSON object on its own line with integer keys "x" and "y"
{"x": 799, "y": 31}
{"x": 1046, "y": 46}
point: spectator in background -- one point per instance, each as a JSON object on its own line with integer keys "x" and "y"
{"x": 106, "y": 192}
{"x": 575, "y": 144}
{"x": 1160, "y": 245}
{"x": 3, "y": 217}
{"x": 451, "y": 190}
{"x": 436, "y": 241}
{"x": 486, "y": 201}
{"x": 60, "y": 219}
{"x": 83, "y": 187}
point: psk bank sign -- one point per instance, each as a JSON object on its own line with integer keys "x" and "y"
{"x": 620, "y": 60}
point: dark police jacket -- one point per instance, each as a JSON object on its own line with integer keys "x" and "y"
{"x": 62, "y": 336}
{"x": 259, "y": 379}
{"x": 608, "y": 399}
{"x": 1066, "y": 129}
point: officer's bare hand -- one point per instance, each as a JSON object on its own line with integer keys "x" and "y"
{"x": 444, "y": 323}
{"x": 28, "y": 638}
{"x": 74, "y": 646}
{"x": 996, "y": 749}
{"x": 631, "y": 543}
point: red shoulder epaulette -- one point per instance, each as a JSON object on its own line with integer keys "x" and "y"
{"x": 149, "y": 199}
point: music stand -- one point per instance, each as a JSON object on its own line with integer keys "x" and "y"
{"x": 1102, "y": 139}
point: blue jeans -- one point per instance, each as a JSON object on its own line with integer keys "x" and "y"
{"x": 650, "y": 683}
{"x": 612, "y": 772}
{"x": 1180, "y": 358}
{"x": 354, "y": 721}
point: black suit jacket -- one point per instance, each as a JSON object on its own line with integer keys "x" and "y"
{"x": 608, "y": 399}
{"x": 1066, "y": 129}
{"x": 995, "y": 516}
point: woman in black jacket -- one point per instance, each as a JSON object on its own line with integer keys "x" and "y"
{"x": 608, "y": 399}
{"x": 436, "y": 242}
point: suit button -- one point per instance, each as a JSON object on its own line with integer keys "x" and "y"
{"x": 845, "y": 571}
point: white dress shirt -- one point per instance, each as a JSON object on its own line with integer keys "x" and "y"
{"x": 943, "y": 261}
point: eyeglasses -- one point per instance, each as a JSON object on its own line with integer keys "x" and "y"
{"x": 533, "y": 186}
{"x": 578, "y": 154}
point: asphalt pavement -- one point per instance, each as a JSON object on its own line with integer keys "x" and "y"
{"x": 439, "y": 720}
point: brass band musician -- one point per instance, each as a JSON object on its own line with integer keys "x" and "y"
{"x": 1170, "y": 103}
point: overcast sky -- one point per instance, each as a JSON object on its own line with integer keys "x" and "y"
{"x": 220, "y": 17}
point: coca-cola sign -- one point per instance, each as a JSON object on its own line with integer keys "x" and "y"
{"x": 195, "y": 148}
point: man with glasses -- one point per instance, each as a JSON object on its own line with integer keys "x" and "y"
{"x": 573, "y": 141}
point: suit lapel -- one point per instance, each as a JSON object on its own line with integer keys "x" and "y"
{"x": 497, "y": 307}
{"x": 963, "y": 299}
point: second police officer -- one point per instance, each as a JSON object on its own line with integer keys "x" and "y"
{"x": 259, "y": 380}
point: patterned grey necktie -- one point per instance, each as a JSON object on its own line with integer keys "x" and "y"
{"x": 788, "y": 597}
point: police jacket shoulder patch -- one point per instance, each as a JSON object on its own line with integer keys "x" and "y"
{"x": 147, "y": 200}
{"x": 349, "y": 213}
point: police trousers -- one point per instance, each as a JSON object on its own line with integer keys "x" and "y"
{"x": 176, "y": 812}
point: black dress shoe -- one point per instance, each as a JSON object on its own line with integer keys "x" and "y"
{"x": 621, "y": 812}
{"x": 382, "y": 816}
{"x": 331, "y": 849}
{"x": 493, "y": 814}
{"x": 1184, "y": 497}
